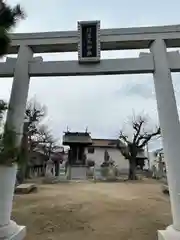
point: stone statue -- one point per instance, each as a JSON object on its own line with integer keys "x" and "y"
{"x": 154, "y": 170}
{"x": 106, "y": 156}
{"x": 160, "y": 169}
{"x": 50, "y": 168}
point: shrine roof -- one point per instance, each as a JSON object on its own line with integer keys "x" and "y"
{"x": 76, "y": 137}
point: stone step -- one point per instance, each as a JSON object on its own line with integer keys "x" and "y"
{"x": 25, "y": 188}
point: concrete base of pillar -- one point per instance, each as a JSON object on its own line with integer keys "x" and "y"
{"x": 12, "y": 232}
{"x": 78, "y": 173}
{"x": 169, "y": 234}
{"x": 20, "y": 234}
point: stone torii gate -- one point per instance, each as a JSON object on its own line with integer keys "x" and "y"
{"x": 91, "y": 40}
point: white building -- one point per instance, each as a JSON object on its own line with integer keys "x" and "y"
{"x": 96, "y": 151}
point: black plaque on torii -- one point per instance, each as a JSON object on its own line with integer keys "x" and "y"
{"x": 89, "y": 41}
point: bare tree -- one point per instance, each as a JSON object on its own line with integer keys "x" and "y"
{"x": 34, "y": 114}
{"x": 139, "y": 140}
{"x": 45, "y": 139}
{"x": 49, "y": 145}
{"x": 38, "y": 133}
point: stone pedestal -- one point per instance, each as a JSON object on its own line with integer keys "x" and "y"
{"x": 20, "y": 234}
{"x": 169, "y": 234}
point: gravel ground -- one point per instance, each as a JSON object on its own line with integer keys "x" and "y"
{"x": 127, "y": 210}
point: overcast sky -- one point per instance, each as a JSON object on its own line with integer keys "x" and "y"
{"x": 102, "y": 103}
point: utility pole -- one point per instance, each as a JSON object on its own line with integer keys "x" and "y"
{"x": 147, "y": 150}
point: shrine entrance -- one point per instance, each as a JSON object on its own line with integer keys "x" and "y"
{"x": 78, "y": 142}
{"x": 90, "y": 40}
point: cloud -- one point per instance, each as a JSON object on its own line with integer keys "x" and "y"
{"x": 140, "y": 87}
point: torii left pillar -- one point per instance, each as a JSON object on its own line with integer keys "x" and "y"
{"x": 9, "y": 230}
{"x": 19, "y": 92}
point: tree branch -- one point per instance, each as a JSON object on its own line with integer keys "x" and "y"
{"x": 147, "y": 137}
{"x": 137, "y": 126}
{"x": 123, "y": 137}
{"x": 124, "y": 149}
{"x": 3, "y": 108}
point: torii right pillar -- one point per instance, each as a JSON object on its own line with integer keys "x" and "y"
{"x": 170, "y": 129}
